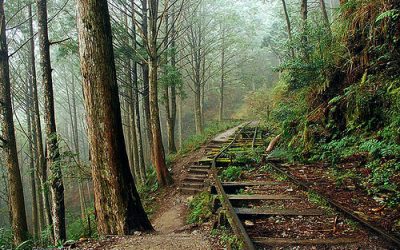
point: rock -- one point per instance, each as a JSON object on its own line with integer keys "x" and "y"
{"x": 249, "y": 223}
{"x": 137, "y": 233}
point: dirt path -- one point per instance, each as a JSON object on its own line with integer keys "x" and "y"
{"x": 172, "y": 233}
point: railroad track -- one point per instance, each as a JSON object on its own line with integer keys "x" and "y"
{"x": 269, "y": 209}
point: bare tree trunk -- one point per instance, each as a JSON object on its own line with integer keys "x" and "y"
{"x": 171, "y": 121}
{"x": 180, "y": 121}
{"x": 53, "y": 154}
{"x": 304, "y": 16}
{"x": 221, "y": 98}
{"x": 16, "y": 195}
{"x": 35, "y": 222}
{"x": 135, "y": 103}
{"x": 289, "y": 27}
{"x": 157, "y": 146}
{"x": 117, "y": 202}
{"x": 145, "y": 70}
{"x": 41, "y": 168}
{"x": 325, "y": 15}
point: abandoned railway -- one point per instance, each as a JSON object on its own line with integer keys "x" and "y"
{"x": 265, "y": 206}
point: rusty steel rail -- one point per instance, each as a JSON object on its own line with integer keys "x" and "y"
{"x": 350, "y": 214}
{"x": 254, "y": 137}
{"x": 233, "y": 218}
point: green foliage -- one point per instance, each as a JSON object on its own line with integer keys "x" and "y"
{"x": 200, "y": 208}
{"x": 80, "y": 229}
{"x": 381, "y": 181}
{"x": 378, "y": 149}
{"x": 231, "y": 173}
{"x": 391, "y": 14}
{"x": 147, "y": 190}
{"x": 336, "y": 150}
{"x": 247, "y": 157}
{"x": 6, "y": 239}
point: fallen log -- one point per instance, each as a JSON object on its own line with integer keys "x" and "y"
{"x": 272, "y": 144}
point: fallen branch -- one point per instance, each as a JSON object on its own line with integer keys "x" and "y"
{"x": 334, "y": 224}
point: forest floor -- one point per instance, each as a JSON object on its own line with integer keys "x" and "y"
{"x": 169, "y": 220}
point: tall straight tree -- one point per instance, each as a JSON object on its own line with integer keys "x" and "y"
{"x": 117, "y": 202}
{"x": 145, "y": 71}
{"x": 222, "y": 84}
{"x": 53, "y": 154}
{"x": 41, "y": 167}
{"x": 135, "y": 101}
{"x": 163, "y": 175}
{"x": 289, "y": 27}
{"x": 8, "y": 143}
{"x": 28, "y": 109}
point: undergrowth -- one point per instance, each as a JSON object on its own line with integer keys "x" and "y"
{"x": 200, "y": 208}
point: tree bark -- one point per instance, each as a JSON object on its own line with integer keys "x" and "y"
{"x": 135, "y": 103}
{"x": 304, "y": 17}
{"x": 171, "y": 118}
{"x": 34, "y": 212}
{"x": 145, "y": 73}
{"x": 221, "y": 98}
{"x": 117, "y": 202}
{"x": 16, "y": 195}
{"x": 53, "y": 154}
{"x": 41, "y": 167}
{"x": 180, "y": 113}
{"x": 157, "y": 146}
{"x": 325, "y": 15}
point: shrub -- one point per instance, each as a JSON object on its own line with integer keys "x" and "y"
{"x": 232, "y": 173}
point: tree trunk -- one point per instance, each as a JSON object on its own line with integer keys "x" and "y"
{"x": 53, "y": 154}
{"x": 289, "y": 27}
{"x": 16, "y": 195}
{"x": 325, "y": 15}
{"x": 35, "y": 222}
{"x": 135, "y": 89}
{"x": 157, "y": 146}
{"x": 172, "y": 116}
{"x": 41, "y": 168}
{"x": 117, "y": 202}
{"x": 221, "y": 98}
{"x": 180, "y": 122}
{"x": 304, "y": 16}
{"x": 135, "y": 103}
{"x": 145, "y": 71}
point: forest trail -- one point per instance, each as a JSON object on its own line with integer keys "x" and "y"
{"x": 172, "y": 233}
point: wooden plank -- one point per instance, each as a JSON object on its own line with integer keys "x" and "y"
{"x": 262, "y": 197}
{"x": 272, "y": 211}
{"x": 291, "y": 241}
